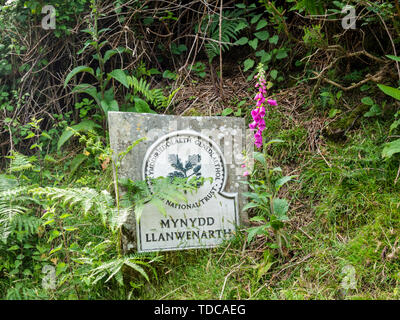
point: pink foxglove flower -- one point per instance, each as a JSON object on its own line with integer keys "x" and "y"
{"x": 245, "y": 174}
{"x": 258, "y": 114}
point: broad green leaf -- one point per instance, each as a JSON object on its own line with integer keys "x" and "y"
{"x": 250, "y": 205}
{"x": 263, "y": 269}
{"x": 88, "y": 89}
{"x": 248, "y": 64}
{"x": 262, "y": 35}
{"x": 259, "y": 157}
{"x": 274, "y": 39}
{"x": 395, "y": 58}
{"x": 109, "y": 106}
{"x": 253, "y": 43}
{"x": 280, "y": 182}
{"x": 120, "y": 76}
{"x": 170, "y": 75}
{"x": 394, "y": 125}
{"x": 49, "y": 158}
{"x": 250, "y": 195}
{"x": 333, "y": 112}
{"x": 55, "y": 249}
{"x": 368, "y": 101}
{"x": 375, "y": 110}
{"x": 281, "y": 54}
{"x": 255, "y": 18}
{"x": 77, "y": 70}
{"x": 85, "y": 125}
{"x": 76, "y": 162}
{"x": 241, "y": 41}
{"x": 274, "y": 141}
{"x": 281, "y": 207}
{"x": 261, "y": 24}
{"x": 258, "y": 219}
{"x": 109, "y": 54}
{"x": 141, "y": 106}
{"x": 393, "y": 92}
{"x": 226, "y": 112}
{"x": 391, "y": 148}
{"x": 274, "y": 74}
{"x": 266, "y": 58}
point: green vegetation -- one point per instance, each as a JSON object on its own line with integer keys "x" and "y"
{"x": 323, "y": 194}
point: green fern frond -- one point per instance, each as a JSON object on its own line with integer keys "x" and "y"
{"x": 229, "y": 32}
{"x": 154, "y": 96}
{"x": 8, "y": 213}
{"x": 27, "y": 223}
{"x": 11, "y": 195}
{"x": 20, "y": 162}
{"x": 113, "y": 268}
{"x": 86, "y": 198}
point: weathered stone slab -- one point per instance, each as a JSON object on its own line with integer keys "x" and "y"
{"x": 183, "y": 146}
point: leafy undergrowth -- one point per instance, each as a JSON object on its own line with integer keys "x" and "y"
{"x": 344, "y": 230}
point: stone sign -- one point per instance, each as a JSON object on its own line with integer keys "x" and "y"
{"x": 208, "y": 147}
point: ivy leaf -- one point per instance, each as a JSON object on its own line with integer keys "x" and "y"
{"x": 262, "y": 35}
{"x": 241, "y": 25}
{"x": 226, "y": 112}
{"x": 261, "y": 24}
{"x": 367, "y": 101}
{"x": 255, "y": 18}
{"x": 375, "y": 110}
{"x": 281, "y": 54}
{"x": 241, "y": 41}
{"x": 274, "y": 39}
{"x": 274, "y": 74}
{"x": 248, "y": 64}
{"x": 170, "y": 75}
{"x": 253, "y": 43}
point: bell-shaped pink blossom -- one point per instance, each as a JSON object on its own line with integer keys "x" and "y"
{"x": 253, "y": 125}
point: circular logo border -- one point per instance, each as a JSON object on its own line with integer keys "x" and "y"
{"x": 187, "y": 133}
